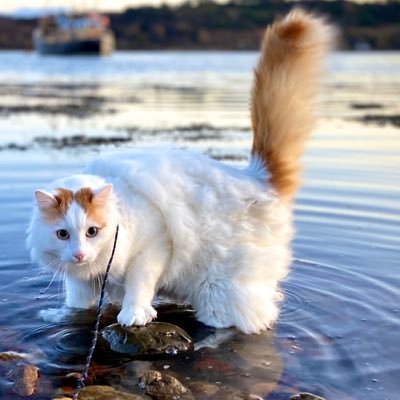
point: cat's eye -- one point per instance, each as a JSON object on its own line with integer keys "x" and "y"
{"x": 62, "y": 234}
{"x": 92, "y": 231}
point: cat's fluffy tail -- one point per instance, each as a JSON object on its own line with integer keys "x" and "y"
{"x": 285, "y": 82}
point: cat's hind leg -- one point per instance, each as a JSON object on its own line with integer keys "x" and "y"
{"x": 251, "y": 307}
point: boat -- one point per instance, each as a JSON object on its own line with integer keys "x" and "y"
{"x": 74, "y": 34}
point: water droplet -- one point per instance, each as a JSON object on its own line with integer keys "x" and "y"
{"x": 173, "y": 351}
{"x": 266, "y": 363}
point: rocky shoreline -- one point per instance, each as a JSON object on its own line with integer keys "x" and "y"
{"x": 153, "y": 362}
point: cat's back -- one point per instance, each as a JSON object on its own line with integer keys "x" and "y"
{"x": 188, "y": 188}
{"x": 168, "y": 160}
{"x": 151, "y": 170}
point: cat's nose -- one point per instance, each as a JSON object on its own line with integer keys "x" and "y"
{"x": 80, "y": 255}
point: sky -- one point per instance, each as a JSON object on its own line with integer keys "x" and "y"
{"x": 10, "y": 6}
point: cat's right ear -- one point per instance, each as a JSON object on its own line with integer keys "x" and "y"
{"x": 45, "y": 199}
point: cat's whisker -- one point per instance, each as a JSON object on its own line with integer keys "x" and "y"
{"x": 57, "y": 264}
{"x": 49, "y": 266}
{"x": 60, "y": 285}
{"x": 110, "y": 278}
{"x": 98, "y": 281}
{"x": 114, "y": 281}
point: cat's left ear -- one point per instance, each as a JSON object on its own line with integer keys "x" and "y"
{"x": 45, "y": 199}
{"x": 102, "y": 195}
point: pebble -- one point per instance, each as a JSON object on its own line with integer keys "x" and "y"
{"x": 154, "y": 339}
{"x": 98, "y": 392}
{"x": 25, "y": 378}
{"x": 306, "y": 396}
{"x": 160, "y": 386}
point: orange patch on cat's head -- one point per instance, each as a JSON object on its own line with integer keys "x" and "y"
{"x": 54, "y": 207}
{"x": 93, "y": 203}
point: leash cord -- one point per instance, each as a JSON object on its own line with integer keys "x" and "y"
{"x": 85, "y": 373}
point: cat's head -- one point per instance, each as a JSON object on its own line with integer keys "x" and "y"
{"x": 73, "y": 226}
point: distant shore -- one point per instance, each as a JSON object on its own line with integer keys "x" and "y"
{"x": 237, "y": 25}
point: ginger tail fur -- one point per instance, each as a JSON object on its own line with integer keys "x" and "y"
{"x": 285, "y": 82}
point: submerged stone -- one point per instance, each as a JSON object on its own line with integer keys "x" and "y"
{"x": 98, "y": 392}
{"x": 161, "y": 386}
{"x": 24, "y": 378}
{"x": 306, "y": 396}
{"x": 153, "y": 339}
{"x": 16, "y": 368}
{"x": 212, "y": 391}
{"x": 11, "y": 356}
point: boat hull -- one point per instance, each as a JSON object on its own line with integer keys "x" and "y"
{"x": 101, "y": 45}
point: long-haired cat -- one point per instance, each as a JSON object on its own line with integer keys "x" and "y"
{"x": 193, "y": 228}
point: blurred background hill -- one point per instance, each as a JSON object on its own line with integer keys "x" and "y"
{"x": 237, "y": 25}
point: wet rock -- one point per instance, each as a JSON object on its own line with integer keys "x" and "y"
{"x": 365, "y": 106}
{"x": 211, "y": 391}
{"x": 154, "y": 339}
{"x": 306, "y": 396}
{"x": 381, "y": 119}
{"x": 204, "y": 390}
{"x": 163, "y": 387}
{"x": 80, "y": 140}
{"x": 236, "y": 396}
{"x": 16, "y": 368}
{"x": 83, "y": 110}
{"x": 98, "y": 392}
{"x": 25, "y": 378}
{"x": 11, "y": 356}
{"x": 184, "y": 316}
{"x": 244, "y": 396}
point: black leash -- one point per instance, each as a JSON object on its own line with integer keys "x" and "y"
{"x": 85, "y": 373}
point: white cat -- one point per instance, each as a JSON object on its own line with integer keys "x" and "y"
{"x": 190, "y": 227}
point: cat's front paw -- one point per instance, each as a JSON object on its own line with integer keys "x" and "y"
{"x": 136, "y": 315}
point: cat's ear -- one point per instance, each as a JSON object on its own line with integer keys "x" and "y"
{"x": 102, "y": 195}
{"x": 45, "y": 199}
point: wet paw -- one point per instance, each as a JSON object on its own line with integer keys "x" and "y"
{"x": 136, "y": 315}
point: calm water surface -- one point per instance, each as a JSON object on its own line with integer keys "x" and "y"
{"x": 338, "y": 332}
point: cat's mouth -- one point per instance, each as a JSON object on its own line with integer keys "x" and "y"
{"x": 76, "y": 263}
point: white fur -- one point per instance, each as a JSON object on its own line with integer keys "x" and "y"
{"x": 190, "y": 227}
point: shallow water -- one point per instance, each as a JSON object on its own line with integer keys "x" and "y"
{"x": 338, "y": 331}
